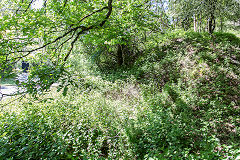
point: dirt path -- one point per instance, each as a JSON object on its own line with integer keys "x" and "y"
{"x": 7, "y": 90}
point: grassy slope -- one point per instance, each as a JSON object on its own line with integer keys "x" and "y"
{"x": 181, "y": 99}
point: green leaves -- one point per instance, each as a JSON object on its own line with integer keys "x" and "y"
{"x": 65, "y": 90}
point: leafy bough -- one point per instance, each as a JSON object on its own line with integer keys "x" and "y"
{"x": 55, "y": 41}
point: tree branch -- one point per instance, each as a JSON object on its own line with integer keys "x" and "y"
{"x": 29, "y": 5}
{"x": 92, "y": 13}
{"x": 108, "y": 14}
{"x": 65, "y": 41}
{"x": 83, "y": 29}
{"x": 58, "y": 38}
{"x": 91, "y": 27}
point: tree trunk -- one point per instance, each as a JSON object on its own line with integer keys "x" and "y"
{"x": 145, "y": 36}
{"x": 207, "y": 25}
{"x": 120, "y": 54}
{"x": 177, "y": 22}
{"x": 194, "y": 23}
{"x": 200, "y": 24}
{"x": 221, "y": 24}
{"x": 211, "y": 26}
{"x": 212, "y": 21}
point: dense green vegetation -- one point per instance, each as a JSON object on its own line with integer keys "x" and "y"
{"x": 142, "y": 79}
{"x": 178, "y": 101}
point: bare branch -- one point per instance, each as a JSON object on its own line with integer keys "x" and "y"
{"x": 18, "y": 98}
{"x": 19, "y": 8}
{"x": 45, "y": 4}
{"x": 29, "y": 5}
{"x": 71, "y": 30}
{"x": 65, "y": 41}
{"x": 91, "y": 27}
{"x": 65, "y": 3}
{"x": 73, "y": 42}
{"x": 58, "y": 38}
{"x": 108, "y": 14}
{"x": 92, "y": 14}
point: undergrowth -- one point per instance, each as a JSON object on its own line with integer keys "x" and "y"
{"x": 180, "y": 100}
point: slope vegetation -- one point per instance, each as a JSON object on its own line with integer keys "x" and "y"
{"x": 180, "y": 100}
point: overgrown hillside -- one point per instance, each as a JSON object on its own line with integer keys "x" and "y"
{"x": 180, "y": 100}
